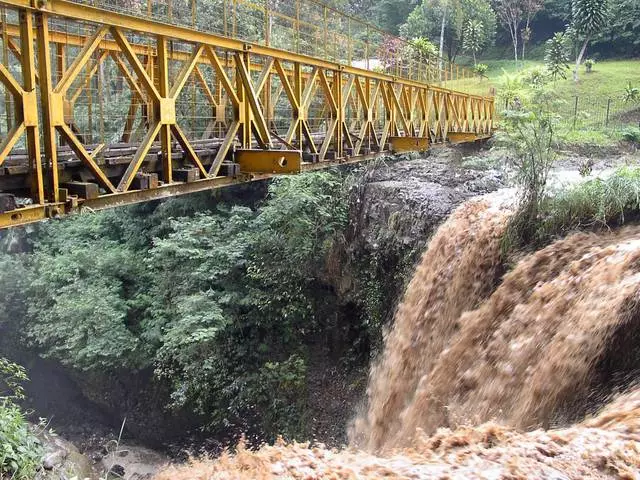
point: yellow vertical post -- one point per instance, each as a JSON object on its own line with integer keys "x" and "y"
{"x": 297, "y": 26}
{"x": 165, "y": 128}
{"x": 225, "y": 19}
{"x": 235, "y": 22}
{"x": 267, "y": 24}
{"x": 48, "y": 129}
{"x": 297, "y": 91}
{"x": 337, "y": 94}
{"x": 31, "y": 124}
{"x": 101, "y": 95}
{"x": 350, "y": 43}
{"x": 366, "y": 47}
{"x": 5, "y": 61}
{"x": 325, "y": 32}
{"x": 266, "y": 102}
{"x": 245, "y": 106}
{"x": 61, "y": 61}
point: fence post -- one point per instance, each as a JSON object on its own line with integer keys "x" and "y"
{"x": 606, "y": 122}
{"x": 575, "y": 113}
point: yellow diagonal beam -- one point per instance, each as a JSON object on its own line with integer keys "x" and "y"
{"x": 222, "y": 76}
{"x": 252, "y": 98}
{"x": 203, "y": 83}
{"x": 264, "y": 75}
{"x": 136, "y": 161}
{"x": 134, "y": 85}
{"x": 10, "y": 82}
{"x": 309, "y": 89}
{"x": 85, "y": 157}
{"x": 12, "y": 138}
{"x": 224, "y": 148}
{"x": 286, "y": 85}
{"x": 92, "y": 71}
{"x": 132, "y": 58}
{"x": 184, "y": 74}
{"x": 324, "y": 83}
{"x": 188, "y": 150}
{"x": 81, "y": 60}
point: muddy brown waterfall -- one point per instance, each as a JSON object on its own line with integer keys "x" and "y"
{"x": 458, "y": 269}
{"x": 486, "y": 356}
{"x": 530, "y": 355}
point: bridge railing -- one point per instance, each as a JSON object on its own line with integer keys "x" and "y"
{"x": 306, "y": 27}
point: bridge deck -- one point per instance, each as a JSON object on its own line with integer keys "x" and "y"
{"x": 100, "y": 107}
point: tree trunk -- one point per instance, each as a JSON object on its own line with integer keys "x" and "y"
{"x": 444, "y": 21}
{"x": 475, "y": 63}
{"x": 524, "y": 40}
{"x": 513, "y": 30}
{"x": 579, "y": 59}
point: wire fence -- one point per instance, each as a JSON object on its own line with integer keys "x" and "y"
{"x": 598, "y": 113}
{"x": 307, "y": 27}
{"x": 586, "y": 113}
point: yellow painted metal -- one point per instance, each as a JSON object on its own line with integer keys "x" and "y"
{"x": 409, "y": 144}
{"x": 337, "y": 113}
{"x": 464, "y": 137}
{"x": 271, "y": 161}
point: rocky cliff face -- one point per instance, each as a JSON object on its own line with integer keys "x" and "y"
{"x": 394, "y": 211}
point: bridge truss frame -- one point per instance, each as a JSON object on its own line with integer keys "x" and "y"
{"x": 390, "y": 113}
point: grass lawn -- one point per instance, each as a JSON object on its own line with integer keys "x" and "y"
{"x": 608, "y": 78}
{"x": 600, "y": 113}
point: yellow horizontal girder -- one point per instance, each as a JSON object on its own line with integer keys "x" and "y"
{"x": 408, "y": 144}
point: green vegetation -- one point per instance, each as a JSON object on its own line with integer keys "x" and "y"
{"x": 220, "y": 300}
{"x": 529, "y": 134}
{"x": 589, "y": 18}
{"x": 592, "y": 204}
{"x": 20, "y": 449}
{"x": 557, "y": 59}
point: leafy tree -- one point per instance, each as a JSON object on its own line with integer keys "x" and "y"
{"x": 390, "y": 14}
{"x": 474, "y": 38}
{"x": 556, "y": 57}
{"x": 589, "y": 19}
{"x": 529, "y": 132}
{"x": 423, "y": 49}
{"x": 447, "y": 20}
{"x": 85, "y": 307}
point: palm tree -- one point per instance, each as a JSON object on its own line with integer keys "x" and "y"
{"x": 589, "y": 19}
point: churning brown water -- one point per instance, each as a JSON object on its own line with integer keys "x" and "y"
{"x": 469, "y": 370}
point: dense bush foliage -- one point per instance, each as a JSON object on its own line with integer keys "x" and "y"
{"x": 20, "y": 449}
{"x": 529, "y": 134}
{"x": 595, "y": 203}
{"x": 219, "y": 302}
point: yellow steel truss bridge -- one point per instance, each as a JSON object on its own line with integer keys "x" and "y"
{"x": 108, "y": 102}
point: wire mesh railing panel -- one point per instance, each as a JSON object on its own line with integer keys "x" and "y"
{"x": 306, "y": 27}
